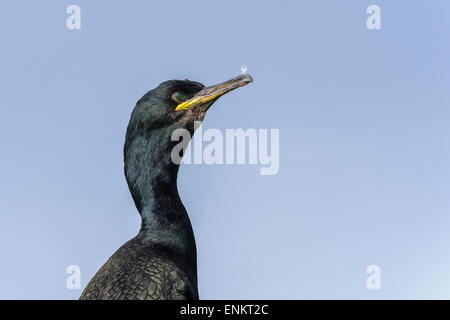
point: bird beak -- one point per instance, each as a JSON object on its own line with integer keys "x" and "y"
{"x": 203, "y": 99}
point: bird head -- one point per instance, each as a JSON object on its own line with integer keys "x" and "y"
{"x": 179, "y": 103}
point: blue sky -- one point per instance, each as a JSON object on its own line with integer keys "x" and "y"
{"x": 364, "y": 143}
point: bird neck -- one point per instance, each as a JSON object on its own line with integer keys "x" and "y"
{"x": 152, "y": 179}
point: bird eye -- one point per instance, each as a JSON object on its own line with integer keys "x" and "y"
{"x": 178, "y": 96}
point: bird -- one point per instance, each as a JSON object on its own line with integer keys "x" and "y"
{"x": 160, "y": 262}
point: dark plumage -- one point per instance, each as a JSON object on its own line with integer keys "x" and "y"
{"x": 161, "y": 261}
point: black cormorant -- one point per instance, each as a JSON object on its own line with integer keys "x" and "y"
{"x": 161, "y": 261}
